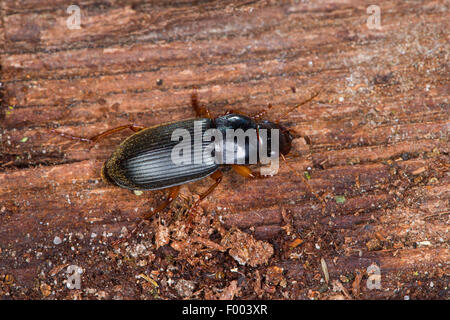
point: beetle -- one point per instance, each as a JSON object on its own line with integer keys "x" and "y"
{"x": 143, "y": 160}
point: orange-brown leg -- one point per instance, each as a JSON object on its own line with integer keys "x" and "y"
{"x": 259, "y": 115}
{"x": 173, "y": 193}
{"x": 102, "y": 135}
{"x": 247, "y": 172}
{"x": 217, "y": 176}
{"x": 232, "y": 111}
{"x": 200, "y": 111}
{"x": 255, "y": 116}
{"x": 300, "y": 104}
{"x": 308, "y": 186}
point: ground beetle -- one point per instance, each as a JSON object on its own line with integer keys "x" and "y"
{"x": 143, "y": 160}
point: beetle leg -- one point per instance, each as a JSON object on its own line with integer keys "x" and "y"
{"x": 300, "y": 104}
{"x": 247, "y": 172}
{"x": 255, "y": 116}
{"x": 233, "y": 111}
{"x": 230, "y": 111}
{"x": 310, "y": 189}
{"x": 200, "y": 111}
{"x": 216, "y": 176}
{"x": 308, "y": 186}
{"x": 261, "y": 114}
{"x": 173, "y": 193}
{"x": 102, "y": 135}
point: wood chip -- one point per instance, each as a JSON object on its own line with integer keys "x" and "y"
{"x": 295, "y": 243}
{"x": 210, "y": 244}
{"x": 418, "y": 171}
{"x": 245, "y": 249}
{"x": 325, "y": 269}
{"x": 230, "y": 291}
{"x": 356, "y": 284}
{"x": 337, "y": 286}
{"x": 57, "y": 269}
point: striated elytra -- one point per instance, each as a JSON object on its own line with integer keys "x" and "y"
{"x": 143, "y": 161}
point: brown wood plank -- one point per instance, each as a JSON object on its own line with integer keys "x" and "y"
{"x": 374, "y": 143}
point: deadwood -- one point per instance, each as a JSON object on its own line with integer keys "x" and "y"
{"x": 373, "y": 144}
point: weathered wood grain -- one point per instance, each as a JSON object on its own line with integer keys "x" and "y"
{"x": 375, "y": 141}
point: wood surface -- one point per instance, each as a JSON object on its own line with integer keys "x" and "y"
{"x": 374, "y": 144}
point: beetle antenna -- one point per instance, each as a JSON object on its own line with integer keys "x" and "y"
{"x": 301, "y": 103}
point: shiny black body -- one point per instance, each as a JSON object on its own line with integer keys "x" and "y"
{"x": 143, "y": 160}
